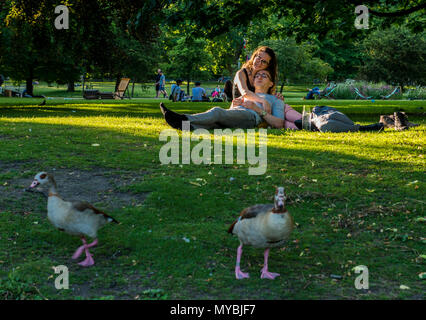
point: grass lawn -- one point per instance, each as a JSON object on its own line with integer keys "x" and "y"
{"x": 357, "y": 199}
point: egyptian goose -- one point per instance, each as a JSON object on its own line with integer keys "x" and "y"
{"x": 263, "y": 226}
{"x": 75, "y": 218}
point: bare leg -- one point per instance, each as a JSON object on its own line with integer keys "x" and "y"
{"x": 265, "y": 273}
{"x": 238, "y": 273}
{"x": 291, "y": 115}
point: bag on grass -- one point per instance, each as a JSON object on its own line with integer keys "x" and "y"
{"x": 328, "y": 119}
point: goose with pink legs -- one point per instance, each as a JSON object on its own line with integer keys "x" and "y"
{"x": 75, "y": 218}
{"x": 263, "y": 226}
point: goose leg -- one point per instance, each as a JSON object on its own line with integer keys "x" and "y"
{"x": 265, "y": 273}
{"x": 89, "y": 259}
{"x": 238, "y": 273}
{"x": 85, "y": 247}
{"x": 80, "y": 249}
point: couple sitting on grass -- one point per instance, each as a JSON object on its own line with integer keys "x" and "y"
{"x": 254, "y": 104}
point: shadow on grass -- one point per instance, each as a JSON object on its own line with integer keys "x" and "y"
{"x": 161, "y": 257}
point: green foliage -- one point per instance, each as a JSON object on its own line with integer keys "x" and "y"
{"x": 188, "y": 59}
{"x": 295, "y": 62}
{"x": 375, "y": 90}
{"x": 416, "y": 93}
{"x": 14, "y": 287}
{"x": 225, "y": 51}
{"x": 105, "y": 38}
{"x": 396, "y": 56}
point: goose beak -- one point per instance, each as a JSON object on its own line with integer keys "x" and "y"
{"x": 279, "y": 204}
{"x": 34, "y": 184}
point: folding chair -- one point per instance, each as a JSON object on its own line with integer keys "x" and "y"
{"x": 391, "y": 94}
{"x": 360, "y": 95}
{"x": 120, "y": 93}
{"x": 122, "y": 88}
{"x": 326, "y": 93}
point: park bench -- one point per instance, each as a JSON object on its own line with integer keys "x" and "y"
{"x": 10, "y": 91}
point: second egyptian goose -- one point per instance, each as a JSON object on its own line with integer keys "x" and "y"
{"x": 75, "y": 218}
{"x": 263, "y": 226}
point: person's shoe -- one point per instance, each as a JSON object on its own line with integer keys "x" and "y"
{"x": 172, "y": 118}
{"x": 401, "y": 121}
{"x": 388, "y": 121}
{"x": 372, "y": 127}
{"x": 163, "y": 108}
{"x": 171, "y": 113}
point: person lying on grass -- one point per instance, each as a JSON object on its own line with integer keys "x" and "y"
{"x": 263, "y": 58}
{"x": 244, "y": 113}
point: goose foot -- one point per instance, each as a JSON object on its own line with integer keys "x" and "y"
{"x": 268, "y": 275}
{"x": 85, "y": 247}
{"x": 240, "y": 275}
{"x": 265, "y": 273}
{"x": 88, "y": 261}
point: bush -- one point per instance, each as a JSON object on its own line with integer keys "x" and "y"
{"x": 375, "y": 90}
{"x": 396, "y": 56}
{"x": 416, "y": 94}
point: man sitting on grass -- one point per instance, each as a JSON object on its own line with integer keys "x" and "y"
{"x": 177, "y": 94}
{"x": 198, "y": 93}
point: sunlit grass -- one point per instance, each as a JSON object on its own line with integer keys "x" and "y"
{"x": 348, "y": 192}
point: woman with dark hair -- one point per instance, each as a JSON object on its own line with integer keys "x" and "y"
{"x": 263, "y": 58}
{"x": 227, "y": 90}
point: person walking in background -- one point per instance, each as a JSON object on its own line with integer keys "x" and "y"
{"x": 157, "y": 82}
{"x": 162, "y": 82}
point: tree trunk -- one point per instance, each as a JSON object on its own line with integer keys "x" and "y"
{"x": 282, "y": 87}
{"x": 117, "y": 82}
{"x": 133, "y": 88}
{"x": 83, "y": 84}
{"x": 187, "y": 86}
{"x": 71, "y": 87}
{"x": 29, "y": 86}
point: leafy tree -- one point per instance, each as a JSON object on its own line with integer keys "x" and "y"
{"x": 188, "y": 59}
{"x": 396, "y": 56}
{"x": 296, "y": 63}
{"x": 106, "y": 37}
{"x": 225, "y": 50}
{"x": 320, "y": 17}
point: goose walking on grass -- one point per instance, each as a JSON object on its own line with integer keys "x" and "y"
{"x": 263, "y": 226}
{"x": 75, "y": 218}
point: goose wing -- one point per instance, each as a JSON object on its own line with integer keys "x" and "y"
{"x": 83, "y": 205}
{"x": 251, "y": 212}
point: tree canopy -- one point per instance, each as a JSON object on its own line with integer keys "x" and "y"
{"x": 201, "y": 39}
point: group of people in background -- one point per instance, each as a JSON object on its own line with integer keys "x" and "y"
{"x": 199, "y": 94}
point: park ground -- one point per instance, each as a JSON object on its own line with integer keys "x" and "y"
{"x": 356, "y": 198}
